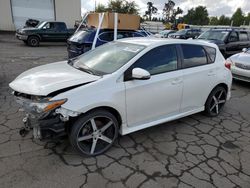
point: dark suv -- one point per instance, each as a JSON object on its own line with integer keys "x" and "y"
{"x": 229, "y": 41}
{"x": 82, "y": 41}
{"x": 186, "y": 34}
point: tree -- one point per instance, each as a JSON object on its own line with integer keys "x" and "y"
{"x": 247, "y": 19}
{"x": 223, "y": 20}
{"x": 197, "y": 16}
{"x": 170, "y": 13}
{"x": 119, "y": 6}
{"x": 238, "y": 17}
{"x": 213, "y": 20}
{"x": 151, "y": 10}
{"x": 100, "y": 8}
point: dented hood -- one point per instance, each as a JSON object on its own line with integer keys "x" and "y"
{"x": 46, "y": 79}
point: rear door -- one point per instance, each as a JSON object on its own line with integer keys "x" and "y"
{"x": 61, "y": 31}
{"x": 199, "y": 75}
{"x": 232, "y": 46}
{"x": 244, "y": 40}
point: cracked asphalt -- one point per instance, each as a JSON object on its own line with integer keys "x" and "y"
{"x": 195, "y": 151}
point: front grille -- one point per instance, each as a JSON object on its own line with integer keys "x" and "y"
{"x": 242, "y": 66}
{"x": 239, "y": 77}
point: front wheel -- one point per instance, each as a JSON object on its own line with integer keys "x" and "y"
{"x": 94, "y": 133}
{"x": 33, "y": 41}
{"x": 216, "y": 101}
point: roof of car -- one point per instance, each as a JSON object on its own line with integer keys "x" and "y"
{"x": 149, "y": 41}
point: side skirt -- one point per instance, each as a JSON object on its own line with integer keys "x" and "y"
{"x": 126, "y": 130}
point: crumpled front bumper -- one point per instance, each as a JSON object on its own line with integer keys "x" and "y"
{"x": 49, "y": 127}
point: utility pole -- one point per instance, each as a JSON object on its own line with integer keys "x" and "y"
{"x": 95, "y": 5}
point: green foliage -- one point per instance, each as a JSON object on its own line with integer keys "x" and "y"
{"x": 223, "y": 20}
{"x": 100, "y": 8}
{"x": 170, "y": 13}
{"x": 238, "y": 17}
{"x": 197, "y": 16}
{"x": 151, "y": 10}
{"x": 247, "y": 19}
{"x": 213, "y": 20}
{"x": 119, "y": 6}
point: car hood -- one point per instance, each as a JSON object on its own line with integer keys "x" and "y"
{"x": 46, "y": 79}
{"x": 241, "y": 58}
{"x": 27, "y": 29}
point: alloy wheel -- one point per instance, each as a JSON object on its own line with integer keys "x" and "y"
{"x": 217, "y": 102}
{"x": 96, "y": 135}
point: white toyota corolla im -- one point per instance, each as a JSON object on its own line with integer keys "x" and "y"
{"x": 122, "y": 86}
{"x": 240, "y": 65}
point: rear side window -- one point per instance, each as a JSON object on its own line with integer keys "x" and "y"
{"x": 106, "y": 36}
{"x": 60, "y": 26}
{"x": 193, "y": 55}
{"x": 211, "y": 53}
{"x": 243, "y": 36}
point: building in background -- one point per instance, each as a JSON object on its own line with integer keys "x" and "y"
{"x": 14, "y": 13}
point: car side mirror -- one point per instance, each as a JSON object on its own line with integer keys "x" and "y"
{"x": 44, "y": 27}
{"x": 140, "y": 74}
{"x": 244, "y": 50}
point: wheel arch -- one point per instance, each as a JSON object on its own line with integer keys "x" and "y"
{"x": 107, "y": 108}
{"x": 35, "y": 35}
{"x": 225, "y": 86}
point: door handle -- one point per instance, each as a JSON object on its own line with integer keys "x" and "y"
{"x": 176, "y": 81}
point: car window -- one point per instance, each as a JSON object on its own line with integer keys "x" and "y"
{"x": 50, "y": 25}
{"x": 123, "y": 34}
{"x": 137, "y": 34}
{"x": 243, "y": 36}
{"x": 193, "y": 55}
{"x": 106, "y": 36}
{"x": 158, "y": 60}
{"x": 60, "y": 26}
{"x": 107, "y": 58}
{"x": 214, "y": 35}
{"x": 233, "y": 37}
{"x": 211, "y": 52}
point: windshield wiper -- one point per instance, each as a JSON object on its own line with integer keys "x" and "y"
{"x": 86, "y": 69}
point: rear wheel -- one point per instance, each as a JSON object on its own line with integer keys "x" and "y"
{"x": 94, "y": 133}
{"x": 33, "y": 41}
{"x": 216, "y": 101}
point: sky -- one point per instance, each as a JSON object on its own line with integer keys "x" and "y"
{"x": 214, "y": 7}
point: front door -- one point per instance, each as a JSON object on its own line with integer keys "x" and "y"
{"x": 160, "y": 96}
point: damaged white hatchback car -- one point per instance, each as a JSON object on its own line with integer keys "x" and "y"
{"x": 122, "y": 87}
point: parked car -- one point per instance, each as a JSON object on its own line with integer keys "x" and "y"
{"x": 44, "y": 32}
{"x": 186, "y": 34}
{"x": 164, "y": 33}
{"x": 122, "y": 87}
{"x": 82, "y": 41}
{"x": 240, "y": 65}
{"x": 229, "y": 41}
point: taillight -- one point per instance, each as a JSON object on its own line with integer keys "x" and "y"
{"x": 228, "y": 64}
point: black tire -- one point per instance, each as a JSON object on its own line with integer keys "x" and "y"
{"x": 94, "y": 133}
{"x": 215, "y": 101}
{"x": 33, "y": 41}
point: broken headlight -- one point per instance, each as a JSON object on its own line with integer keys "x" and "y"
{"x": 40, "y": 107}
